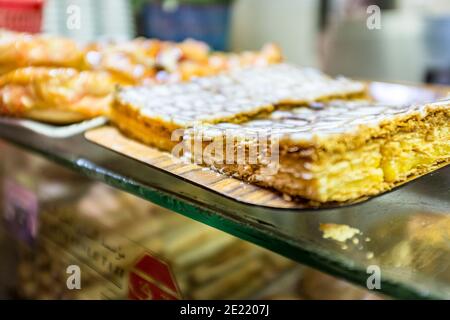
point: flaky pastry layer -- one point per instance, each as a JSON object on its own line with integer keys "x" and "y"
{"x": 55, "y": 95}
{"x": 330, "y": 159}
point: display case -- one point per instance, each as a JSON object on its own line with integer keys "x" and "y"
{"x": 70, "y": 237}
{"x": 61, "y": 213}
{"x": 157, "y": 170}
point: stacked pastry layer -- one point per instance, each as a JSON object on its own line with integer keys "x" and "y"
{"x": 335, "y": 151}
{"x": 154, "y": 115}
{"x": 281, "y": 127}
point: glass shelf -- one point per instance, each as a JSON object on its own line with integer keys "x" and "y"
{"x": 405, "y": 232}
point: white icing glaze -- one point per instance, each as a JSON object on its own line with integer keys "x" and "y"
{"x": 238, "y": 92}
{"x": 322, "y": 120}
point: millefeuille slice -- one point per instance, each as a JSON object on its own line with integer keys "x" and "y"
{"x": 334, "y": 151}
{"x": 153, "y": 114}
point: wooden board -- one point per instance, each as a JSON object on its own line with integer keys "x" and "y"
{"x": 111, "y": 138}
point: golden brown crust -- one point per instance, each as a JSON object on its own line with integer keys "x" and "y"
{"x": 235, "y": 97}
{"x": 151, "y": 61}
{"x": 35, "y": 91}
{"x": 149, "y": 131}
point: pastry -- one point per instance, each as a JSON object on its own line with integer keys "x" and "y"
{"x": 18, "y": 50}
{"x": 153, "y": 114}
{"x": 56, "y": 80}
{"x": 151, "y": 61}
{"x": 61, "y": 95}
{"x": 334, "y": 151}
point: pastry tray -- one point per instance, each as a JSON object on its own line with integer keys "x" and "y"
{"x": 111, "y": 138}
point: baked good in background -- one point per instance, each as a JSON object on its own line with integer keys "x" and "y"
{"x": 151, "y": 61}
{"x": 18, "y": 50}
{"x": 54, "y": 79}
{"x": 57, "y": 95}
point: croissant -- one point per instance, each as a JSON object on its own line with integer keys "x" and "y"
{"x": 57, "y": 95}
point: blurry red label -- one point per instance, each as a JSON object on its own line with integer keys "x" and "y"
{"x": 152, "y": 279}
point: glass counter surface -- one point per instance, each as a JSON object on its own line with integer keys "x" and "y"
{"x": 405, "y": 234}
